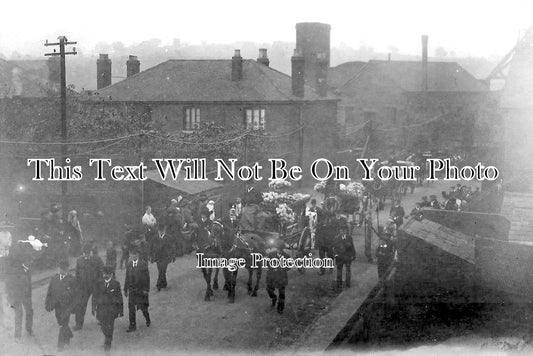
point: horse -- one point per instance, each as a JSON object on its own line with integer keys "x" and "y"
{"x": 239, "y": 245}
{"x": 208, "y": 244}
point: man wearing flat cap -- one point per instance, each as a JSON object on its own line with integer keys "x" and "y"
{"x": 107, "y": 304}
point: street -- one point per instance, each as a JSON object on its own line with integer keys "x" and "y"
{"x": 249, "y": 324}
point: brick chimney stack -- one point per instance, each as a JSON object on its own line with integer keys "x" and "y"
{"x": 133, "y": 66}
{"x": 103, "y": 71}
{"x": 425, "y": 63}
{"x": 297, "y": 73}
{"x": 236, "y": 66}
{"x": 313, "y": 43}
{"x": 263, "y": 58}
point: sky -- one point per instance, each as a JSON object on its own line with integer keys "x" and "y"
{"x": 467, "y": 27}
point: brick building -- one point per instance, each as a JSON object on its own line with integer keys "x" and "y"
{"x": 413, "y": 105}
{"x": 245, "y": 94}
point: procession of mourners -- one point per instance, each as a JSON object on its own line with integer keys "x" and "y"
{"x": 275, "y": 224}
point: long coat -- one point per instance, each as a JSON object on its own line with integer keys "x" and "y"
{"x": 61, "y": 293}
{"x": 137, "y": 282}
{"x": 88, "y": 271}
{"x": 107, "y": 300}
{"x": 344, "y": 249}
{"x": 277, "y": 277}
{"x": 18, "y": 283}
{"x": 162, "y": 248}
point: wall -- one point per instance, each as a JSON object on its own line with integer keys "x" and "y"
{"x": 468, "y": 119}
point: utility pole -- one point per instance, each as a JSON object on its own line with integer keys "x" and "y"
{"x": 300, "y": 139}
{"x": 63, "y": 41}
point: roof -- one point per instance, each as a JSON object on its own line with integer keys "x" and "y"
{"x": 518, "y": 90}
{"x": 205, "y": 81}
{"x": 188, "y": 187}
{"x": 442, "y": 76}
{"x": 518, "y": 209}
{"x": 339, "y": 75}
{"x": 449, "y": 240}
{"x": 16, "y": 81}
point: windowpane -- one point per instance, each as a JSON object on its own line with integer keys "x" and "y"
{"x": 262, "y": 119}
{"x": 187, "y": 119}
{"x": 248, "y": 119}
{"x": 192, "y": 119}
{"x": 256, "y": 119}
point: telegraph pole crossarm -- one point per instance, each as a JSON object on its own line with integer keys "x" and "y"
{"x": 63, "y": 41}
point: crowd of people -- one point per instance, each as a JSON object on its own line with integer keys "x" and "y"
{"x": 459, "y": 198}
{"x": 161, "y": 238}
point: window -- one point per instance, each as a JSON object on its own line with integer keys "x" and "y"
{"x": 255, "y": 119}
{"x": 191, "y": 119}
{"x": 349, "y": 115}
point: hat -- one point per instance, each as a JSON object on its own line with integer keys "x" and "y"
{"x": 107, "y": 270}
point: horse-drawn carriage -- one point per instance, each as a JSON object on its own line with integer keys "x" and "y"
{"x": 288, "y": 220}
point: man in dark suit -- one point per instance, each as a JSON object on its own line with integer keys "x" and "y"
{"x": 162, "y": 256}
{"x": 344, "y": 252}
{"x": 136, "y": 288}
{"x": 325, "y": 234}
{"x": 88, "y": 271}
{"x": 417, "y": 212}
{"x": 107, "y": 304}
{"x": 60, "y": 297}
{"x": 18, "y": 285}
{"x": 397, "y": 213}
{"x": 277, "y": 278}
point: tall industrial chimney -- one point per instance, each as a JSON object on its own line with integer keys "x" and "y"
{"x": 103, "y": 71}
{"x": 313, "y": 43}
{"x": 263, "y": 58}
{"x": 133, "y": 66}
{"x": 424, "y": 63}
{"x": 298, "y": 74}
{"x": 236, "y": 66}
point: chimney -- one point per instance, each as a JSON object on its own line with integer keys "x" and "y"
{"x": 425, "y": 63}
{"x": 236, "y": 66}
{"x": 322, "y": 66}
{"x": 298, "y": 79}
{"x": 54, "y": 70}
{"x": 133, "y": 66}
{"x": 103, "y": 71}
{"x": 263, "y": 57}
{"x": 313, "y": 43}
